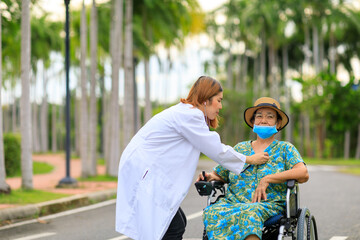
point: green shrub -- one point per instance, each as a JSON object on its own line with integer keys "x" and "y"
{"x": 12, "y": 152}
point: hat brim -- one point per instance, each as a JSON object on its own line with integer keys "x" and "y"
{"x": 249, "y": 113}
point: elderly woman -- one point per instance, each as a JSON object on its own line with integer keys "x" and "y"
{"x": 259, "y": 191}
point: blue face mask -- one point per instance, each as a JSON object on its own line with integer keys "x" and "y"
{"x": 265, "y": 131}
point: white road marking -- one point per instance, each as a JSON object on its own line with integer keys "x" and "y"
{"x": 119, "y": 238}
{"x": 194, "y": 215}
{"x": 338, "y": 238}
{"x": 36, "y": 236}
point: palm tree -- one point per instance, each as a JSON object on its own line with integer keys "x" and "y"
{"x": 84, "y": 112}
{"x": 44, "y": 114}
{"x": 4, "y": 187}
{"x": 116, "y": 53}
{"x": 25, "y": 107}
{"x": 129, "y": 103}
{"x": 93, "y": 75}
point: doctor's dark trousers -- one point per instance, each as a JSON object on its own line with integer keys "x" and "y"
{"x": 177, "y": 227}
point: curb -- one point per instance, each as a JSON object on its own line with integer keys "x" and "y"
{"x": 54, "y": 206}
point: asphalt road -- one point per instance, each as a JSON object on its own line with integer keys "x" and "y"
{"x": 332, "y": 197}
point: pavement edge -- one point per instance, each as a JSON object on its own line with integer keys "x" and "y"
{"x": 54, "y": 206}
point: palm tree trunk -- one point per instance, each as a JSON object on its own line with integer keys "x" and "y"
{"x": 321, "y": 50}
{"x": 238, "y": 79}
{"x": 316, "y": 49}
{"x": 25, "y": 109}
{"x": 85, "y": 172}
{"x": 347, "y": 144}
{"x": 44, "y": 116}
{"x": 4, "y": 187}
{"x": 53, "y": 129}
{"x": 262, "y": 64}
{"x": 129, "y": 103}
{"x": 77, "y": 116}
{"x": 256, "y": 76}
{"x": 13, "y": 111}
{"x": 229, "y": 75}
{"x": 116, "y": 52}
{"x": 307, "y": 51}
{"x": 272, "y": 72}
{"x": 357, "y": 154}
{"x": 148, "y": 109}
{"x": 332, "y": 50}
{"x": 61, "y": 119}
{"x": 148, "y": 35}
{"x": 244, "y": 73}
{"x": 308, "y": 141}
{"x": 106, "y": 123}
{"x": 93, "y": 114}
{"x": 285, "y": 57}
{"x": 35, "y": 123}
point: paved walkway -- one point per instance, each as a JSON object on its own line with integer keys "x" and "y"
{"x": 48, "y": 182}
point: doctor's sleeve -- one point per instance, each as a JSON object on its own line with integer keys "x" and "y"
{"x": 208, "y": 142}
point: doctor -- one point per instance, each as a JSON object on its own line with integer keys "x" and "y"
{"x": 157, "y": 167}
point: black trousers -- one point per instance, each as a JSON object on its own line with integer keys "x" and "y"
{"x": 177, "y": 227}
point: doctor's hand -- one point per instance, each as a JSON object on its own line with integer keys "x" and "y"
{"x": 257, "y": 158}
{"x": 213, "y": 176}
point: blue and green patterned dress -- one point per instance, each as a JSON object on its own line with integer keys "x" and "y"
{"x": 234, "y": 216}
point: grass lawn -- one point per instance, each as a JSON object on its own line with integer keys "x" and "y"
{"x": 38, "y": 168}
{"x": 99, "y": 178}
{"x": 20, "y": 196}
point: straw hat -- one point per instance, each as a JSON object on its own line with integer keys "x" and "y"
{"x": 268, "y": 103}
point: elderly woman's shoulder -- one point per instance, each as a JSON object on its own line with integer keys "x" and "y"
{"x": 286, "y": 144}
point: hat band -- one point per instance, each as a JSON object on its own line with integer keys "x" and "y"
{"x": 267, "y": 104}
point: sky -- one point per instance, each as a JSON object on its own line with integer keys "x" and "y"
{"x": 58, "y": 7}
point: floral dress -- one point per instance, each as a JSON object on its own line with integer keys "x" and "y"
{"x": 234, "y": 216}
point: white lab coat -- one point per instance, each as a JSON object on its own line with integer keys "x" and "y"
{"x": 157, "y": 167}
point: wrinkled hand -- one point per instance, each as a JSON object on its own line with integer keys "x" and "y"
{"x": 260, "y": 191}
{"x": 209, "y": 177}
{"x": 201, "y": 177}
{"x": 258, "y": 158}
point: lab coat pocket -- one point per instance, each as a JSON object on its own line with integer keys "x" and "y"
{"x": 157, "y": 187}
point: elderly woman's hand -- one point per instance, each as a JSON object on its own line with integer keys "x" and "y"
{"x": 257, "y": 158}
{"x": 260, "y": 191}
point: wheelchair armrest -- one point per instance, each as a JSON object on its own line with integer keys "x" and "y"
{"x": 218, "y": 184}
{"x": 204, "y": 188}
{"x": 291, "y": 183}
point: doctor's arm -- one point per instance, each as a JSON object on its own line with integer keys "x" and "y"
{"x": 208, "y": 142}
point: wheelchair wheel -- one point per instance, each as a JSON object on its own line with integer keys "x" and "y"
{"x": 306, "y": 226}
{"x": 205, "y": 237}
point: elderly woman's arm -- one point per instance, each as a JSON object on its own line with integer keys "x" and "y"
{"x": 298, "y": 172}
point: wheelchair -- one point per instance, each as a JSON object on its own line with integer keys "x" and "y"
{"x": 295, "y": 223}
